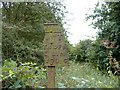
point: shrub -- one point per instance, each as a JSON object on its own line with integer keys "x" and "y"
{"x": 25, "y": 75}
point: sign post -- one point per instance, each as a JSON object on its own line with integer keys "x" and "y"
{"x": 54, "y": 51}
{"x": 51, "y": 77}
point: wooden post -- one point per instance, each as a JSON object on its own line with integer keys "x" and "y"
{"x": 51, "y": 77}
{"x": 54, "y": 51}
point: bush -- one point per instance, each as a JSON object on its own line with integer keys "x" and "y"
{"x": 21, "y": 43}
{"x": 25, "y": 75}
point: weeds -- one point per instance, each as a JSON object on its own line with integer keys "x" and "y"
{"x": 83, "y": 75}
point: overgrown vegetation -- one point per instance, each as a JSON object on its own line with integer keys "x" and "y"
{"x": 22, "y": 31}
{"x": 106, "y": 18}
{"x": 84, "y": 75}
{"x": 26, "y": 75}
{"x": 80, "y": 75}
{"x": 93, "y": 64}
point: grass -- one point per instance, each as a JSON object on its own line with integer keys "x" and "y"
{"x": 76, "y": 75}
{"x": 83, "y": 75}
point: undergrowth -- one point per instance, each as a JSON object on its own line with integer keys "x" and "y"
{"x": 83, "y": 75}
{"x": 76, "y": 75}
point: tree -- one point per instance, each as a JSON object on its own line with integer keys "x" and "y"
{"x": 23, "y": 32}
{"x": 80, "y": 50}
{"x": 106, "y": 18}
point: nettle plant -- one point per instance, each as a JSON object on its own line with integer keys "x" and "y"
{"x": 22, "y": 76}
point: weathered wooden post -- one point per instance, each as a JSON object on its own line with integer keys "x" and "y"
{"x": 54, "y": 51}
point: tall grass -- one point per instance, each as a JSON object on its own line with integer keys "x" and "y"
{"x": 83, "y": 75}
{"x": 76, "y": 75}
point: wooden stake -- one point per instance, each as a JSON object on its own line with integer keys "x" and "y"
{"x": 51, "y": 77}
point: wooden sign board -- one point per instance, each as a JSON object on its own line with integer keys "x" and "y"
{"x": 54, "y": 46}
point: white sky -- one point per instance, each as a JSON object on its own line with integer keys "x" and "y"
{"x": 78, "y": 26}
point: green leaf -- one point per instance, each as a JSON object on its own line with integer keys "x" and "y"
{"x": 10, "y": 73}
